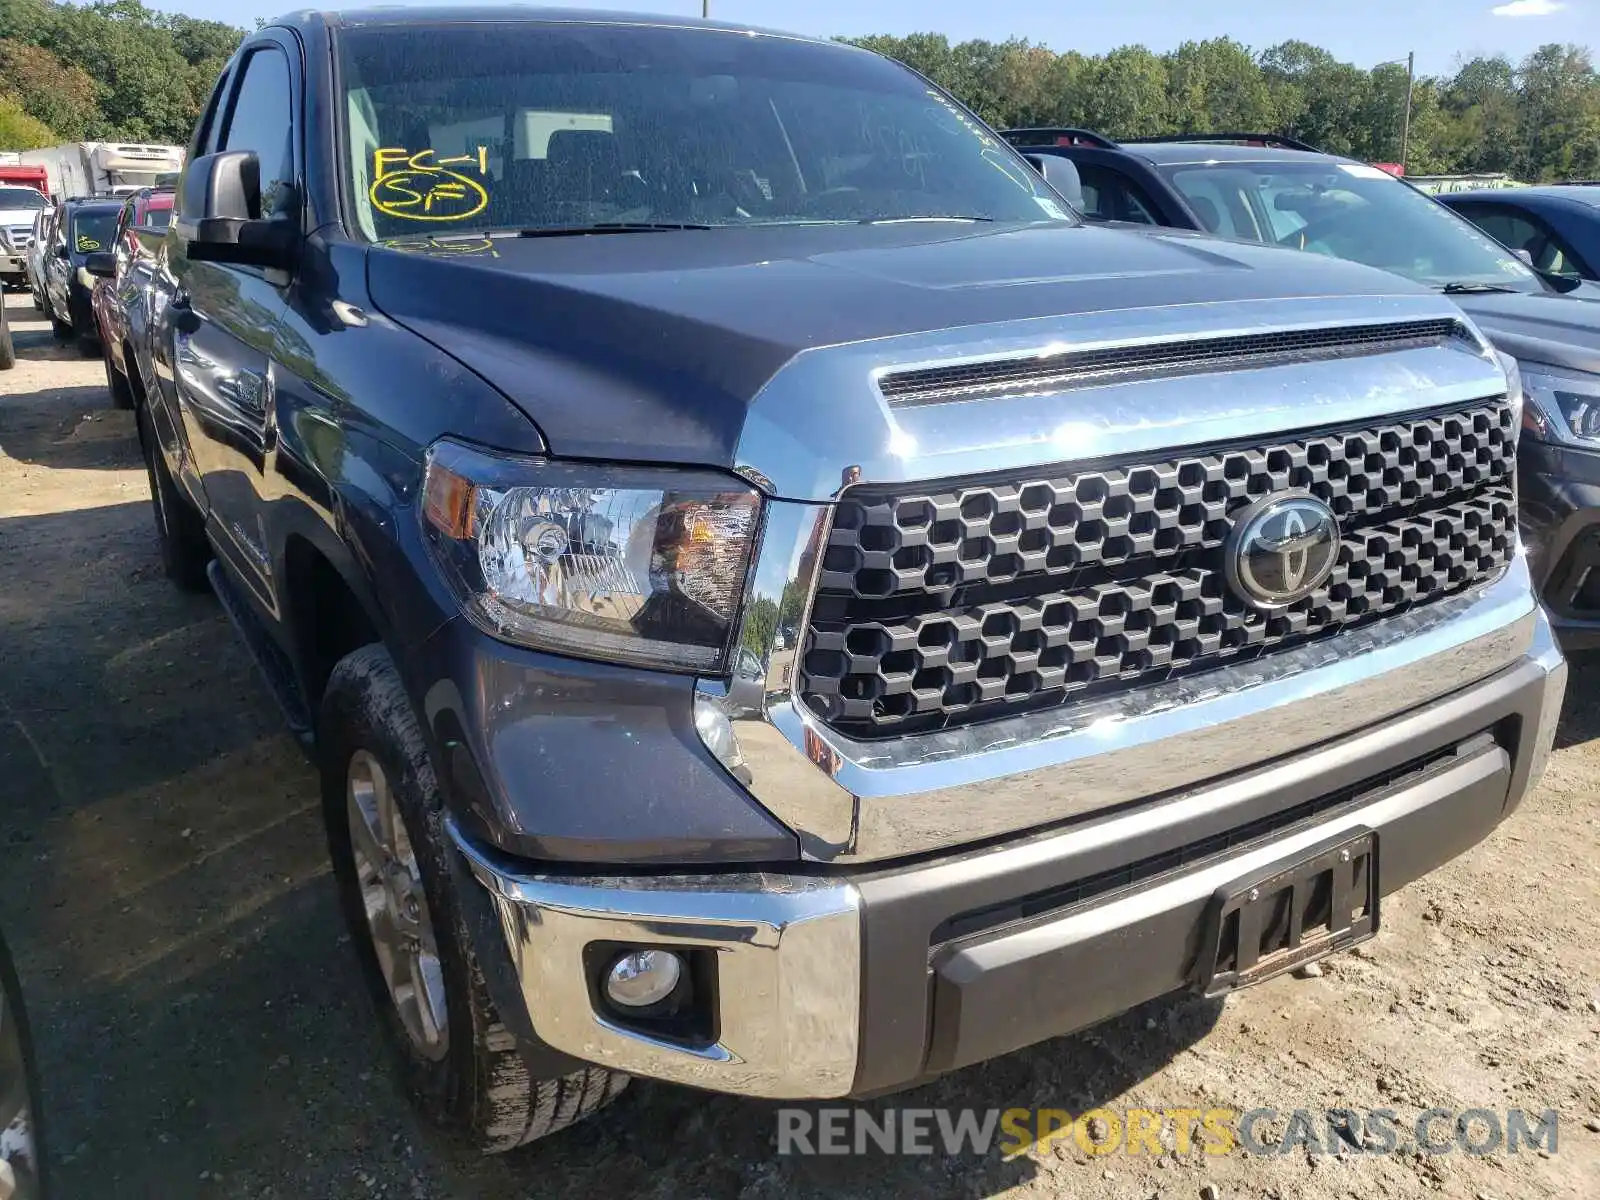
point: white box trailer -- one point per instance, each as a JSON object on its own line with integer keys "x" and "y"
{"x": 104, "y": 168}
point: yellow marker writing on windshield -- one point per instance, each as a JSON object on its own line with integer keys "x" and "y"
{"x": 414, "y": 186}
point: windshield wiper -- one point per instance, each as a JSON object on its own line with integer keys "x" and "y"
{"x": 1473, "y": 289}
{"x": 607, "y": 227}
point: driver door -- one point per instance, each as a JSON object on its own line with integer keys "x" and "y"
{"x": 218, "y": 328}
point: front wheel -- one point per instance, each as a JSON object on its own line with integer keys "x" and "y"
{"x": 384, "y": 815}
{"x": 185, "y": 552}
{"x": 8, "y": 349}
{"x": 61, "y": 330}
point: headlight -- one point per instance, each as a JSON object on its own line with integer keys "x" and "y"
{"x": 1561, "y": 405}
{"x": 626, "y": 564}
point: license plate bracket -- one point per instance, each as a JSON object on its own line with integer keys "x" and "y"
{"x": 1291, "y": 912}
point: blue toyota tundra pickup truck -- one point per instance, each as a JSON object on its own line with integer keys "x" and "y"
{"x": 778, "y": 604}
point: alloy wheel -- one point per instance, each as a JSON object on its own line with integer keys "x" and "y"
{"x": 396, "y": 907}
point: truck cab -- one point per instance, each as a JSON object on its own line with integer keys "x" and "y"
{"x": 777, "y": 603}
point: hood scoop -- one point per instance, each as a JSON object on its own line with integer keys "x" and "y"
{"x": 1066, "y": 368}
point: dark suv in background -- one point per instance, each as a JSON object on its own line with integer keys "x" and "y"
{"x": 82, "y": 227}
{"x": 1557, "y": 227}
{"x": 1279, "y": 191}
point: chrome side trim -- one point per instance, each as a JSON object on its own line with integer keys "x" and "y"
{"x": 821, "y": 423}
{"x": 1547, "y": 653}
{"x": 854, "y": 801}
{"x": 788, "y": 971}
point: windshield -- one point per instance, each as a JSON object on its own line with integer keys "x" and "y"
{"x": 93, "y": 231}
{"x": 21, "y": 197}
{"x": 1348, "y": 210}
{"x": 558, "y": 126}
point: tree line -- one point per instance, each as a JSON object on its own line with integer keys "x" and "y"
{"x": 115, "y": 69}
{"x": 105, "y": 71}
{"x": 1537, "y": 119}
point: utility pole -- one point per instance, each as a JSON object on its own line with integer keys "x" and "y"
{"x": 1405, "y": 126}
{"x": 705, "y": 10}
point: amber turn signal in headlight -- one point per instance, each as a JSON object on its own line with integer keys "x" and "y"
{"x": 625, "y": 564}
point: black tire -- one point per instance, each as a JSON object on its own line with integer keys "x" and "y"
{"x": 478, "y": 1084}
{"x": 185, "y": 552}
{"x": 61, "y": 330}
{"x": 38, "y": 300}
{"x": 8, "y": 349}
{"x": 116, "y": 382}
{"x": 89, "y": 345}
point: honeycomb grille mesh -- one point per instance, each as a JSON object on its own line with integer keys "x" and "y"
{"x": 977, "y": 599}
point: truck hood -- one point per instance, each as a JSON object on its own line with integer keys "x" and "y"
{"x": 1561, "y": 331}
{"x": 652, "y": 346}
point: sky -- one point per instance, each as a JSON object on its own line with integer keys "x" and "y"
{"x": 1364, "y": 32}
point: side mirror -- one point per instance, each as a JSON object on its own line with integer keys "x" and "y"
{"x": 102, "y": 263}
{"x": 1525, "y": 255}
{"x": 1061, "y": 174}
{"x": 61, "y": 251}
{"x": 220, "y": 217}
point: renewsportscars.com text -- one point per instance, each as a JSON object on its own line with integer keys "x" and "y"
{"x": 1217, "y": 1131}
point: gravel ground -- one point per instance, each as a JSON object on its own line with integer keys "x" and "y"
{"x": 203, "y": 1031}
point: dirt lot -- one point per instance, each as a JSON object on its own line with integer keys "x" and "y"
{"x": 203, "y": 1032}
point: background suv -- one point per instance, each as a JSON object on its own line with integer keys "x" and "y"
{"x": 82, "y": 228}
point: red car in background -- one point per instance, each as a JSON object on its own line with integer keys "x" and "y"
{"x": 124, "y": 276}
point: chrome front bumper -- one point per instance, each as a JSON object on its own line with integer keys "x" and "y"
{"x": 788, "y": 971}
{"x": 824, "y": 983}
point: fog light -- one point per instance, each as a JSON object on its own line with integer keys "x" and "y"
{"x": 641, "y": 978}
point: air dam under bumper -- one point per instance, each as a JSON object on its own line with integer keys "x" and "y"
{"x": 836, "y": 984}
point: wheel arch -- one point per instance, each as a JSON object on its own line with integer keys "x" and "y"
{"x": 328, "y": 608}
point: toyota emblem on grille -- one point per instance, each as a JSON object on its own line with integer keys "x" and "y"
{"x": 1282, "y": 548}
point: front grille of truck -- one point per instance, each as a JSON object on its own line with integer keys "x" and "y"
{"x": 951, "y": 603}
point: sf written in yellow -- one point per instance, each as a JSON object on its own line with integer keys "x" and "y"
{"x": 413, "y": 185}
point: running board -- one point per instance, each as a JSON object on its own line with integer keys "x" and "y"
{"x": 269, "y": 657}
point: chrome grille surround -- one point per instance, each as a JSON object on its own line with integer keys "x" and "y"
{"x": 821, "y": 425}
{"x": 981, "y": 598}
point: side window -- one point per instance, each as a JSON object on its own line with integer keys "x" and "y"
{"x": 122, "y": 242}
{"x": 1220, "y": 200}
{"x": 260, "y": 119}
{"x": 1523, "y": 231}
{"x": 1110, "y": 195}
{"x": 205, "y": 134}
